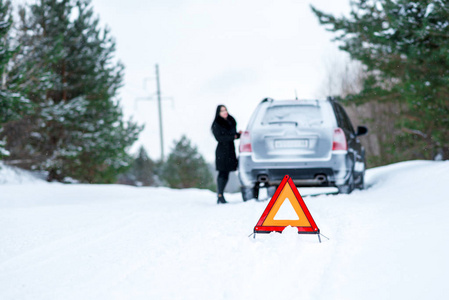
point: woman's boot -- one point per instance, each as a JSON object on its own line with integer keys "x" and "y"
{"x": 221, "y": 199}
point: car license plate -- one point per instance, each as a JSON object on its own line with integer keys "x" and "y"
{"x": 291, "y": 143}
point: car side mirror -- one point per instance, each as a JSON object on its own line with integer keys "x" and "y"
{"x": 361, "y": 130}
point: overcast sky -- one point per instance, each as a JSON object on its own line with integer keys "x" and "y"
{"x": 215, "y": 52}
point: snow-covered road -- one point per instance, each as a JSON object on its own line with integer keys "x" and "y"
{"x": 119, "y": 242}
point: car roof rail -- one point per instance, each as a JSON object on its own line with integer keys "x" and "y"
{"x": 266, "y": 100}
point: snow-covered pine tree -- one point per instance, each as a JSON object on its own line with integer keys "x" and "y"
{"x": 77, "y": 129}
{"x": 186, "y": 167}
{"x": 5, "y": 51}
{"x": 12, "y": 105}
{"x": 142, "y": 172}
{"x": 404, "y": 46}
{"x": 5, "y": 56}
{"x": 143, "y": 169}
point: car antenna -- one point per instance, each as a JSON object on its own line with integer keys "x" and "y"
{"x": 296, "y": 94}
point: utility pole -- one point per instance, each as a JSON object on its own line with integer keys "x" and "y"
{"x": 160, "y": 112}
{"x": 159, "y": 100}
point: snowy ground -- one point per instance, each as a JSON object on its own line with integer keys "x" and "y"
{"x": 118, "y": 242}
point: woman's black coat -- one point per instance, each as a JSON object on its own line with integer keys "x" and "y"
{"x": 225, "y": 132}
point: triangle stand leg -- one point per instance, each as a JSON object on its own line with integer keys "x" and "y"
{"x": 319, "y": 235}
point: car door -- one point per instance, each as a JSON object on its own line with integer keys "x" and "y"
{"x": 354, "y": 145}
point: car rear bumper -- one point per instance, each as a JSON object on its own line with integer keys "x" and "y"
{"x": 335, "y": 171}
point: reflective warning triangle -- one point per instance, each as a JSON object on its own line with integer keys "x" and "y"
{"x": 270, "y": 221}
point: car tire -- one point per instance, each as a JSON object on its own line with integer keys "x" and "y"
{"x": 249, "y": 193}
{"x": 361, "y": 184}
{"x": 271, "y": 190}
{"x": 348, "y": 187}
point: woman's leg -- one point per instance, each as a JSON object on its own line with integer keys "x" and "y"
{"x": 222, "y": 180}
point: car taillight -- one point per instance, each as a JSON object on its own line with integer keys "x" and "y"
{"x": 245, "y": 142}
{"x": 339, "y": 142}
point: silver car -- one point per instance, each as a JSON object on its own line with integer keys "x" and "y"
{"x": 312, "y": 141}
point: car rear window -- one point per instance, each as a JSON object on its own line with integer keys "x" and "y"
{"x": 299, "y": 115}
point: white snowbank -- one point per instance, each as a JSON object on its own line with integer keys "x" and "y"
{"x": 119, "y": 242}
{"x": 12, "y": 175}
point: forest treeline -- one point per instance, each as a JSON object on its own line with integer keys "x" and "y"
{"x": 59, "y": 111}
{"x": 401, "y": 90}
{"x": 60, "y": 78}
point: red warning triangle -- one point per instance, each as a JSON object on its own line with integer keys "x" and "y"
{"x": 286, "y": 195}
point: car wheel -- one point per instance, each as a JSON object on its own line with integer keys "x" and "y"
{"x": 348, "y": 187}
{"x": 271, "y": 190}
{"x": 361, "y": 183}
{"x": 249, "y": 193}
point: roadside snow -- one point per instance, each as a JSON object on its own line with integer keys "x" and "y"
{"x": 11, "y": 175}
{"x": 119, "y": 242}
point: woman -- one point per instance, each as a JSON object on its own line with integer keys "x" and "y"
{"x": 224, "y": 130}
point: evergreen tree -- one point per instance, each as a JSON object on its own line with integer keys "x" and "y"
{"x": 186, "y": 168}
{"x": 12, "y": 105}
{"x": 77, "y": 129}
{"x": 143, "y": 169}
{"x": 403, "y": 45}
